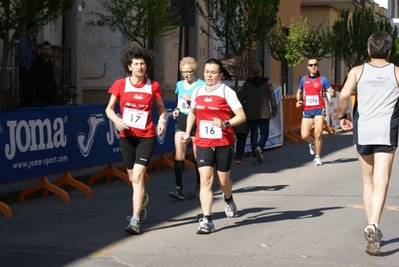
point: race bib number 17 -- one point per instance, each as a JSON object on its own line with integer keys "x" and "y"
{"x": 135, "y": 118}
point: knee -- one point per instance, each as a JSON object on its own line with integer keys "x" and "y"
{"x": 137, "y": 178}
{"x": 318, "y": 135}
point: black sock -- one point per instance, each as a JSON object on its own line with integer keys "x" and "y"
{"x": 228, "y": 199}
{"x": 179, "y": 170}
{"x": 209, "y": 218}
{"x": 196, "y": 170}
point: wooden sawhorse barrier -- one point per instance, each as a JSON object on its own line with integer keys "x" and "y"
{"x": 55, "y": 188}
{"x": 44, "y": 184}
{"x": 291, "y": 135}
{"x": 68, "y": 180}
{"x": 6, "y": 210}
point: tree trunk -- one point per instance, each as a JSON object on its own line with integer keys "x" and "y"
{"x": 5, "y": 103}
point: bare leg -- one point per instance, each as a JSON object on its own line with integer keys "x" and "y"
{"x": 226, "y": 185}
{"x": 180, "y": 147}
{"x": 206, "y": 194}
{"x": 306, "y": 126}
{"x": 136, "y": 176}
{"x": 318, "y": 134}
{"x": 376, "y": 171}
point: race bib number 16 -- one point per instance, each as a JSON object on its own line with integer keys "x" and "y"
{"x": 210, "y": 131}
{"x": 135, "y": 118}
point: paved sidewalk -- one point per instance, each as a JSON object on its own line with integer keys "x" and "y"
{"x": 291, "y": 213}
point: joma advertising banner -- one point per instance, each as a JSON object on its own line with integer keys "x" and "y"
{"x": 42, "y": 141}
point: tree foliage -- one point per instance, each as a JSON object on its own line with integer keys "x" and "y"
{"x": 141, "y": 21}
{"x": 238, "y": 24}
{"x": 286, "y": 43}
{"x": 319, "y": 43}
{"x": 385, "y": 25}
{"x": 15, "y": 14}
{"x": 351, "y": 35}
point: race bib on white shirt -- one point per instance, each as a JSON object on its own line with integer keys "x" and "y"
{"x": 208, "y": 130}
{"x": 135, "y": 118}
{"x": 312, "y": 100}
{"x": 183, "y": 105}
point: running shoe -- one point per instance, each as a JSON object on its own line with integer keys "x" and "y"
{"x": 258, "y": 153}
{"x": 143, "y": 212}
{"x": 317, "y": 161}
{"x": 197, "y": 190}
{"x": 205, "y": 227}
{"x": 239, "y": 161}
{"x": 133, "y": 227}
{"x": 373, "y": 235}
{"x": 255, "y": 161}
{"x": 177, "y": 193}
{"x": 312, "y": 149}
{"x": 230, "y": 208}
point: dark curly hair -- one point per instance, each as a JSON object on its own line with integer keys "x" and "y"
{"x": 132, "y": 52}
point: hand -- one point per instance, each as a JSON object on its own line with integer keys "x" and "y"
{"x": 161, "y": 127}
{"x": 346, "y": 124}
{"x": 299, "y": 104}
{"x": 218, "y": 122}
{"x": 274, "y": 114}
{"x": 175, "y": 113}
{"x": 120, "y": 125}
{"x": 186, "y": 139}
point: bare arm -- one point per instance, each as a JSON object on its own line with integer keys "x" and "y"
{"x": 162, "y": 115}
{"x": 189, "y": 124}
{"x": 239, "y": 117}
{"x": 110, "y": 111}
{"x": 331, "y": 91}
{"x": 299, "y": 96}
{"x": 345, "y": 94}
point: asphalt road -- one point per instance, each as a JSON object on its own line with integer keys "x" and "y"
{"x": 291, "y": 213}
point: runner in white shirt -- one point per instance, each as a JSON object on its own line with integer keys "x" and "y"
{"x": 212, "y": 108}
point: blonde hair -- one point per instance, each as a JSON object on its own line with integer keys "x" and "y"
{"x": 188, "y": 61}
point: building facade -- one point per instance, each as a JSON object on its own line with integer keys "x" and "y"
{"x": 95, "y": 48}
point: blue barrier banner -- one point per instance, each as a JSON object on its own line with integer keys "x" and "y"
{"x": 42, "y": 141}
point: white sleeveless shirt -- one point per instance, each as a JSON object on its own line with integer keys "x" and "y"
{"x": 376, "y": 110}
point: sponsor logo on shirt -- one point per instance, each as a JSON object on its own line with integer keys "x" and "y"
{"x": 139, "y": 97}
{"x": 208, "y": 99}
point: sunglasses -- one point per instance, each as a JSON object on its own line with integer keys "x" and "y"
{"x": 187, "y": 72}
{"x": 315, "y": 64}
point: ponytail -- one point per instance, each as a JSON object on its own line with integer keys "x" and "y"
{"x": 225, "y": 72}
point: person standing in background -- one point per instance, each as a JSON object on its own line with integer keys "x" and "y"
{"x": 241, "y": 131}
{"x": 42, "y": 73}
{"x": 258, "y": 94}
{"x": 375, "y": 128}
{"x": 27, "y": 52}
{"x": 184, "y": 89}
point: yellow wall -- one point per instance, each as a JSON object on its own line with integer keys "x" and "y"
{"x": 288, "y": 9}
{"x": 326, "y": 16}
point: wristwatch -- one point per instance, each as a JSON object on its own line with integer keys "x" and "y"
{"x": 226, "y": 124}
{"x": 345, "y": 116}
